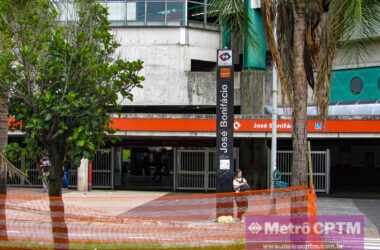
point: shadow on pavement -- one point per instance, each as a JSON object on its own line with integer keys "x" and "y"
{"x": 370, "y": 208}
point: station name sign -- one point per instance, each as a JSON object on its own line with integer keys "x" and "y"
{"x": 208, "y": 125}
{"x": 224, "y": 121}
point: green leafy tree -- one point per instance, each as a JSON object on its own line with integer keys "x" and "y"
{"x": 308, "y": 34}
{"x": 62, "y": 77}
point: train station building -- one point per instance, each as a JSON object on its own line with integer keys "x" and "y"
{"x": 166, "y": 135}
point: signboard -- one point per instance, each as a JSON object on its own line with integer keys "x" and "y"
{"x": 225, "y": 57}
{"x": 242, "y": 125}
{"x": 224, "y": 122}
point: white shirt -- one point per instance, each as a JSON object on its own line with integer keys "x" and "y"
{"x": 237, "y": 183}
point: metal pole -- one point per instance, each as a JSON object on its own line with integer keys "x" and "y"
{"x": 186, "y": 13}
{"x": 274, "y": 124}
{"x": 274, "y": 114}
{"x": 311, "y": 174}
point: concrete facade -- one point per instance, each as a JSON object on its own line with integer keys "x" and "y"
{"x": 167, "y": 53}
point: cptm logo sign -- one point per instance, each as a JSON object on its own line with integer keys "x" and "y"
{"x": 224, "y": 57}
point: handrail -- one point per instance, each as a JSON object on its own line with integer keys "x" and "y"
{"x": 11, "y": 169}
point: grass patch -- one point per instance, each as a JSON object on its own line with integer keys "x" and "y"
{"x": 142, "y": 247}
{"x": 122, "y": 246}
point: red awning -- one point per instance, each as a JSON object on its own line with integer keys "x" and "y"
{"x": 241, "y": 125}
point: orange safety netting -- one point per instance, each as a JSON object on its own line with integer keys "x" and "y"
{"x": 41, "y": 222}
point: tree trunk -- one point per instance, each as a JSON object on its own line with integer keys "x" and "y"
{"x": 253, "y": 156}
{"x": 56, "y": 170}
{"x": 59, "y": 227}
{"x": 57, "y": 209}
{"x": 3, "y": 171}
{"x": 300, "y": 88}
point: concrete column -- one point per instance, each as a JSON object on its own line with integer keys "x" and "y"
{"x": 253, "y": 152}
{"x": 82, "y": 183}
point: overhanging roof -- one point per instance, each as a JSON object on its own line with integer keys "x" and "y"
{"x": 155, "y": 125}
{"x": 245, "y": 126}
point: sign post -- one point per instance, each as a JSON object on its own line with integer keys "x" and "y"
{"x": 224, "y": 137}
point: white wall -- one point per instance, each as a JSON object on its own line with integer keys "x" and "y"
{"x": 167, "y": 54}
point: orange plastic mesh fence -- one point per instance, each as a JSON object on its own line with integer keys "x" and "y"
{"x": 35, "y": 221}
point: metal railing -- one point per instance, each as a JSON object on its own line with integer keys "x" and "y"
{"x": 321, "y": 168}
{"x": 195, "y": 169}
{"x": 30, "y": 170}
{"x": 102, "y": 173}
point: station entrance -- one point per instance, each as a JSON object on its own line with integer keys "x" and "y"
{"x": 340, "y": 166}
{"x": 355, "y": 166}
{"x": 166, "y": 168}
{"x": 146, "y": 168}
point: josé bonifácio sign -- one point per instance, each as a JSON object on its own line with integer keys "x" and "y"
{"x": 225, "y": 120}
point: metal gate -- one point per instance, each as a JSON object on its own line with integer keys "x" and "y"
{"x": 102, "y": 172}
{"x": 103, "y": 166}
{"x": 195, "y": 169}
{"x": 321, "y": 168}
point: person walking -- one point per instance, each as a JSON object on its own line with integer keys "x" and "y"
{"x": 45, "y": 166}
{"x": 240, "y": 185}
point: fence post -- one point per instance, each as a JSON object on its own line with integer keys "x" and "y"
{"x": 311, "y": 173}
{"x": 328, "y": 177}
{"x": 175, "y": 169}
{"x": 113, "y": 153}
{"x": 269, "y": 164}
{"x": 23, "y": 170}
{"x": 207, "y": 163}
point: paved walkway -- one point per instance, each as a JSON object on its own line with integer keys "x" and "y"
{"x": 370, "y": 208}
{"x": 119, "y": 203}
{"x": 103, "y": 205}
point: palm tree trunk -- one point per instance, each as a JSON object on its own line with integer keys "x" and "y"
{"x": 3, "y": 139}
{"x": 300, "y": 88}
{"x": 3, "y": 170}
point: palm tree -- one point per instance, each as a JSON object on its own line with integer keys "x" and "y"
{"x": 3, "y": 140}
{"x": 3, "y": 168}
{"x": 303, "y": 37}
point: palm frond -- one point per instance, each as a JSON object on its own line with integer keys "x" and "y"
{"x": 344, "y": 21}
{"x": 278, "y": 21}
{"x": 234, "y": 15}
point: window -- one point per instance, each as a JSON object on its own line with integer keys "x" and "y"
{"x": 202, "y": 66}
{"x": 175, "y": 13}
{"x": 155, "y": 12}
{"x": 356, "y": 85}
{"x": 148, "y": 12}
{"x": 116, "y": 11}
{"x": 196, "y": 11}
{"x": 135, "y": 12}
{"x": 66, "y": 11}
